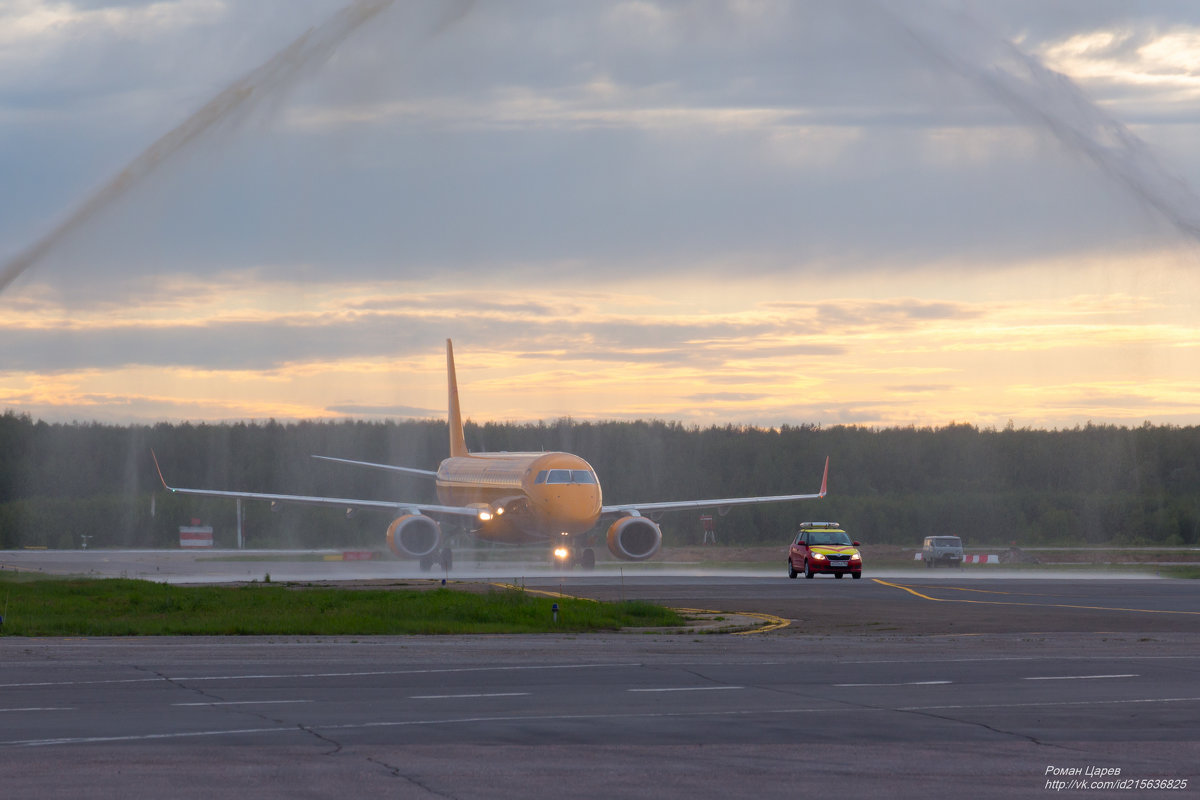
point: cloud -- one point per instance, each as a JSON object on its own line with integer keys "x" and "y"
{"x": 236, "y": 102}
{"x": 29, "y": 27}
{"x": 386, "y": 411}
{"x": 705, "y": 210}
{"x": 707, "y": 398}
{"x": 1054, "y": 103}
{"x": 796, "y": 134}
{"x": 899, "y": 312}
{"x": 927, "y": 388}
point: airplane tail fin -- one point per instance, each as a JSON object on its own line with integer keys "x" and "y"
{"x": 458, "y": 442}
{"x": 824, "y": 478}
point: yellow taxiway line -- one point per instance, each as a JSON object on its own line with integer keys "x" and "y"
{"x": 772, "y": 622}
{"x": 542, "y": 592}
{"x": 1032, "y": 605}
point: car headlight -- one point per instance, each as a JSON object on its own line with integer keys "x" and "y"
{"x": 856, "y": 556}
{"x": 818, "y": 556}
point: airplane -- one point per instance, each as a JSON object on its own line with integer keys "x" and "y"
{"x": 514, "y": 498}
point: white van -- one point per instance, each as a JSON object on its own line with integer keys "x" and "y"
{"x": 946, "y": 550}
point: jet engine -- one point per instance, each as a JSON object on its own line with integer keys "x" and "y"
{"x": 414, "y": 536}
{"x": 634, "y": 538}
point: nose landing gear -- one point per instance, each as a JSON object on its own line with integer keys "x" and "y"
{"x": 571, "y": 557}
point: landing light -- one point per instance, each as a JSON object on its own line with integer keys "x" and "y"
{"x": 484, "y": 516}
{"x": 561, "y": 552}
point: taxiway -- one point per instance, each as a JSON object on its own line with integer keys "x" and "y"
{"x": 904, "y": 685}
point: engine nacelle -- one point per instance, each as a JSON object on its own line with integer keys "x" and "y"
{"x": 414, "y": 536}
{"x": 634, "y": 538}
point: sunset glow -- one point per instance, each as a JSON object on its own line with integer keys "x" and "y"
{"x": 746, "y": 214}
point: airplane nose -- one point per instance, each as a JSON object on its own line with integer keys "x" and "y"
{"x": 573, "y": 509}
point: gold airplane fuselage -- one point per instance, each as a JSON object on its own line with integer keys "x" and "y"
{"x": 523, "y": 497}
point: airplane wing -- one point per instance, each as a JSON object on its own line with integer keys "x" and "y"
{"x": 724, "y": 503}
{"x": 429, "y": 473}
{"x": 342, "y": 502}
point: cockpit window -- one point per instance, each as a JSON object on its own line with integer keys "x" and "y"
{"x": 561, "y": 476}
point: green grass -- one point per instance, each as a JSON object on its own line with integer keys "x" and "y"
{"x": 120, "y": 607}
{"x": 1182, "y": 571}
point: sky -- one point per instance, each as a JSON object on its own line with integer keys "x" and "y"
{"x": 748, "y": 212}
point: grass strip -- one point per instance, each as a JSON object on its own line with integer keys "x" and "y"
{"x": 1181, "y": 571}
{"x": 121, "y": 607}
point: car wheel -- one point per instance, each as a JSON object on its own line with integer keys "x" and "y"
{"x": 792, "y": 569}
{"x": 857, "y": 575}
{"x": 808, "y": 573}
{"x": 837, "y": 575}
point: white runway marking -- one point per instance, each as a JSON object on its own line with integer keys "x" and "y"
{"x": 242, "y": 703}
{"x": 527, "y": 719}
{"x": 284, "y": 675}
{"x": 1077, "y": 677}
{"x": 1050, "y": 704}
{"x": 36, "y": 709}
{"x": 453, "y": 696}
{"x": 687, "y": 689}
{"x": 905, "y": 683}
{"x": 77, "y": 683}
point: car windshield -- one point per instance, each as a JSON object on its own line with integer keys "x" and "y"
{"x": 828, "y": 537}
{"x": 947, "y": 541}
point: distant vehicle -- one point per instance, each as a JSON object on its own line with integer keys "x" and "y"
{"x": 823, "y": 547}
{"x": 946, "y": 550}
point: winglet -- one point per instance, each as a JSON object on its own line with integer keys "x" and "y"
{"x": 159, "y": 470}
{"x": 458, "y": 442}
{"x": 824, "y": 478}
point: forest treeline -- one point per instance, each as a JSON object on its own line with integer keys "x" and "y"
{"x": 64, "y": 484}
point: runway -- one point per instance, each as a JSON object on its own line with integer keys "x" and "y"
{"x": 907, "y": 686}
{"x": 610, "y": 715}
{"x": 915, "y": 603}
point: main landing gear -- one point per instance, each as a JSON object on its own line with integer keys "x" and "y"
{"x": 443, "y": 557}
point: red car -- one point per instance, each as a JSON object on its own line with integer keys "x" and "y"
{"x": 823, "y": 547}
